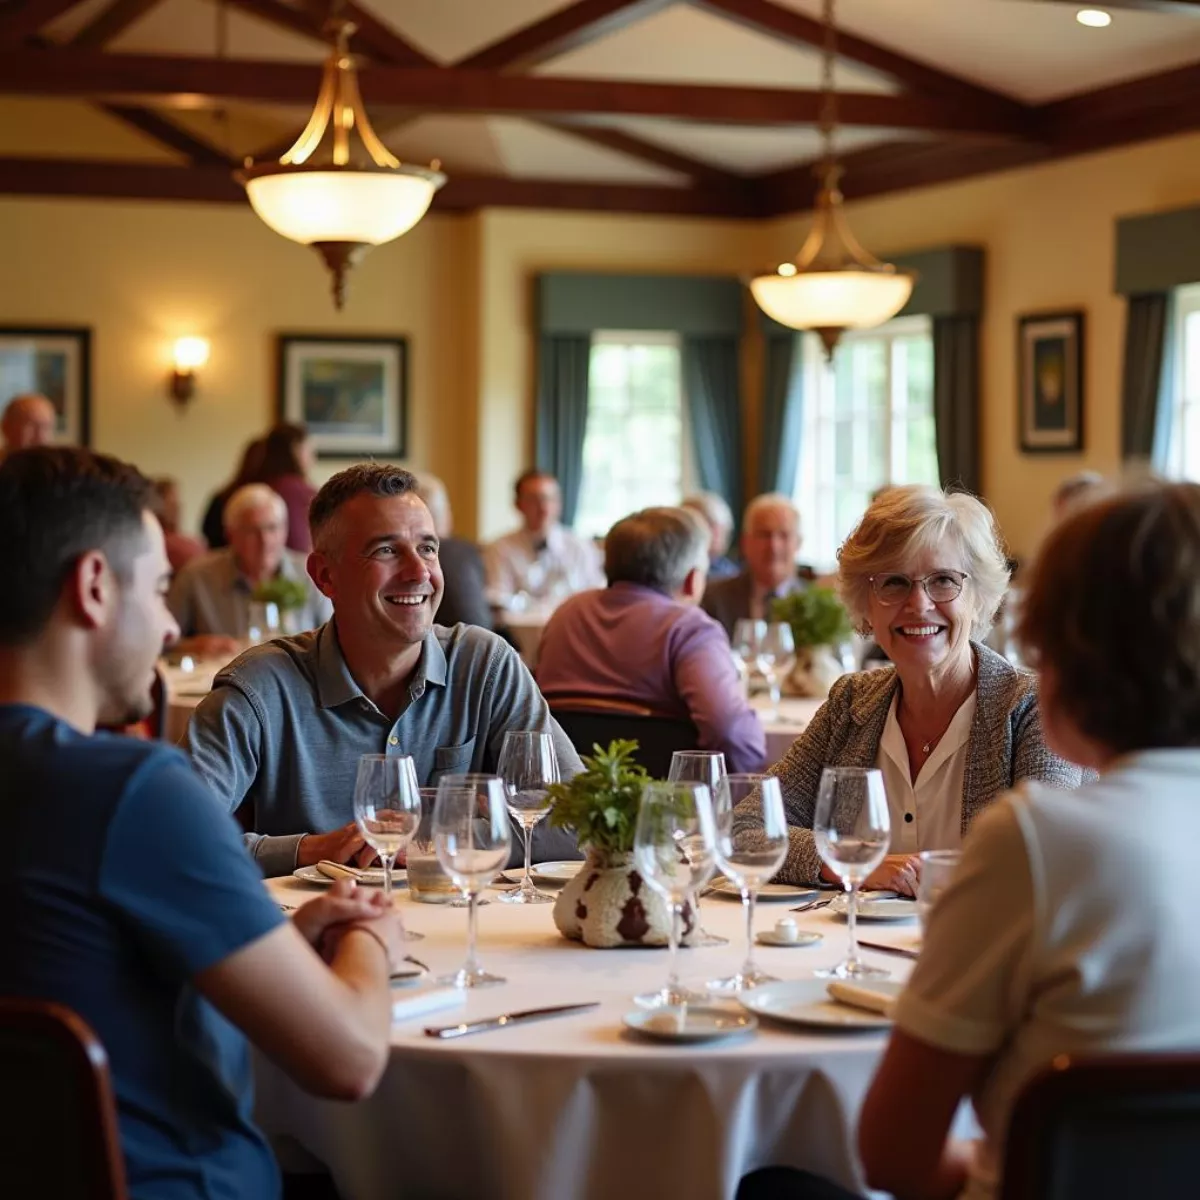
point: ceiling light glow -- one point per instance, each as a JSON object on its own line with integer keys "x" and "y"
{"x": 1094, "y": 18}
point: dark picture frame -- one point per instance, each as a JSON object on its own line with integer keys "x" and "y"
{"x": 57, "y": 362}
{"x": 1050, "y": 383}
{"x": 351, "y": 392}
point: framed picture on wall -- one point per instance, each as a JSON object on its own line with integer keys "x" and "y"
{"x": 56, "y": 363}
{"x": 1050, "y": 382}
{"x": 351, "y": 392}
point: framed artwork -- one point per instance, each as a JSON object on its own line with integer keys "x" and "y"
{"x": 1050, "y": 382}
{"x": 57, "y": 363}
{"x": 351, "y": 392}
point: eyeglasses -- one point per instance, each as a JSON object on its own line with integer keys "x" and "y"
{"x": 940, "y": 586}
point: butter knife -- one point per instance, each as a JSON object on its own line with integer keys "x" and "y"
{"x": 883, "y": 948}
{"x": 506, "y": 1019}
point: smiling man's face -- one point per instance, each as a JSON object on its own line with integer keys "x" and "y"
{"x": 382, "y": 571}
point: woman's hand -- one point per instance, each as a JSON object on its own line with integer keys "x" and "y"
{"x": 342, "y": 904}
{"x": 897, "y": 873}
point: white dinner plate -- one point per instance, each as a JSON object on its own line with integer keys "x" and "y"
{"x": 555, "y": 872}
{"x": 770, "y": 892}
{"x": 880, "y": 910}
{"x": 807, "y": 1002}
{"x": 372, "y": 876}
{"x": 690, "y": 1023}
{"x": 804, "y": 937}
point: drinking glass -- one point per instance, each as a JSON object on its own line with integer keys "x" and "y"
{"x": 473, "y": 836}
{"x": 263, "y": 621}
{"x": 427, "y": 879}
{"x": 387, "y": 807}
{"x": 744, "y": 646}
{"x": 528, "y": 766}
{"x": 750, "y": 859}
{"x": 852, "y": 830}
{"x": 937, "y": 869}
{"x": 776, "y": 658}
{"x": 673, "y": 849}
{"x": 699, "y": 766}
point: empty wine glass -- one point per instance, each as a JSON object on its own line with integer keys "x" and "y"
{"x": 673, "y": 849}
{"x": 852, "y": 830}
{"x": 937, "y": 869}
{"x": 262, "y": 622}
{"x": 744, "y": 646}
{"x": 472, "y": 835}
{"x": 387, "y": 807}
{"x": 749, "y": 860}
{"x": 775, "y": 659}
{"x": 699, "y": 766}
{"x": 528, "y": 766}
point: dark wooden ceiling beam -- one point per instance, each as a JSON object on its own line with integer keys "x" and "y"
{"x": 151, "y": 181}
{"x": 20, "y": 19}
{"x": 69, "y": 72}
{"x": 560, "y": 32}
{"x": 110, "y": 23}
{"x": 167, "y": 133}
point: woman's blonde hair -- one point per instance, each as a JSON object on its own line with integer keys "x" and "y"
{"x": 904, "y": 520}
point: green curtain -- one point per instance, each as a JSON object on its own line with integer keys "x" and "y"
{"x": 562, "y": 405}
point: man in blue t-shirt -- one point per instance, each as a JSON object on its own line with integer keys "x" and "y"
{"x": 127, "y": 892}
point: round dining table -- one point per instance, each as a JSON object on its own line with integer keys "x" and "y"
{"x": 578, "y": 1107}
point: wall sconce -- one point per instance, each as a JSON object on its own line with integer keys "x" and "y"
{"x": 190, "y": 354}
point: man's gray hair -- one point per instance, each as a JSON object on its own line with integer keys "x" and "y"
{"x": 433, "y": 491}
{"x": 369, "y": 478}
{"x": 712, "y": 507}
{"x": 656, "y": 548}
{"x": 769, "y": 500}
{"x": 249, "y": 498}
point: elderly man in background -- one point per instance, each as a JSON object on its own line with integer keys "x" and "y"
{"x": 715, "y": 513}
{"x": 286, "y": 723}
{"x": 644, "y": 639}
{"x": 210, "y": 597}
{"x": 29, "y": 420}
{"x": 463, "y": 599}
{"x": 770, "y": 542}
{"x": 543, "y": 559}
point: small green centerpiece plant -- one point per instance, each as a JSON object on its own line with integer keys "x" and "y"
{"x": 287, "y": 594}
{"x": 600, "y": 804}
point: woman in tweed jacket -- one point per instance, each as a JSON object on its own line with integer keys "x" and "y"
{"x": 924, "y": 573}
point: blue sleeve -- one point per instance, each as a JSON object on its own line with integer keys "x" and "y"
{"x": 175, "y": 867}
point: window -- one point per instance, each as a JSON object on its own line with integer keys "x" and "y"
{"x": 868, "y": 422}
{"x": 1182, "y": 393}
{"x": 635, "y": 451}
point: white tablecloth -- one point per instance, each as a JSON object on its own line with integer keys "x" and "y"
{"x": 185, "y": 689}
{"x": 785, "y": 725}
{"x": 575, "y": 1108}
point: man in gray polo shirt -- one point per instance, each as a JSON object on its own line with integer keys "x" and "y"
{"x": 286, "y": 723}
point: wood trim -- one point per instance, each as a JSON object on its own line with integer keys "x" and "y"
{"x": 111, "y": 22}
{"x": 23, "y": 19}
{"x": 68, "y": 72}
{"x": 560, "y": 32}
{"x": 166, "y": 133}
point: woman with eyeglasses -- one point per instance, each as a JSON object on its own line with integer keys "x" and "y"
{"x": 951, "y": 724}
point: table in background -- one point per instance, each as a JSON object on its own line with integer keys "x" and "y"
{"x": 185, "y": 689}
{"x": 575, "y": 1108}
{"x": 787, "y": 724}
{"x": 526, "y": 626}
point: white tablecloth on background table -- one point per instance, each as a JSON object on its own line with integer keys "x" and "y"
{"x": 785, "y": 725}
{"x": 526, "y": 627}
{"x": 185, "y": 689}
{"x": 575, "y": 1108}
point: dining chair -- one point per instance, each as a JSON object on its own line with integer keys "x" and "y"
{"x": 1108, "y": 1127}
{"x": 59, "y": 1137}
{"x": 589, "y": 721}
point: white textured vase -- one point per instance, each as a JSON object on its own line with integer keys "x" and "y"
{"x": 609, "y": 904}
{"x": 817, "y": 669}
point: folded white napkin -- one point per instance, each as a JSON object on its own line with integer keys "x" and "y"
{"x": 333, "y": 870}
{"x": 860, "y": 997}
{"x": 419, "y": 1001}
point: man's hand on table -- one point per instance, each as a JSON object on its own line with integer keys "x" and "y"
{"x": 343, "y": 845}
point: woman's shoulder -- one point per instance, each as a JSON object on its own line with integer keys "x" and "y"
{"x": 1000, "y": 683}
{"x": 860, "y": 692}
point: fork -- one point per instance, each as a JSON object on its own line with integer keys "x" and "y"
{"x": 811, "y": 906}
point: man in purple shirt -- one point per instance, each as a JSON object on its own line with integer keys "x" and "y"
{"x": 644, "y": 638}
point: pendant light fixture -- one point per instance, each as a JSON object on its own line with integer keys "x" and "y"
{"x": 833, "y": 284}
{"x": 339, "y": 189}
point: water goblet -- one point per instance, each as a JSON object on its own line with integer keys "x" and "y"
{"x": 528, "y": 766}
{"x": 473, "y": 836}
{"x": 387, "y": 807}
{"x": 937, "y": 869}
{"x": 699, "y": 766}
{"x": 852, "y": 830}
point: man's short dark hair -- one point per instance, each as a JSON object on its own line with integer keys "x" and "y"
{"x": 528, "y": 475}
{"x": 1111, "y": 610}
{"x": 374, "y": 479}
{"x": 656, "y": 548}
{"x": 56, "y": 504}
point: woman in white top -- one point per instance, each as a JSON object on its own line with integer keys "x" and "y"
{"x": 952, "y": 725}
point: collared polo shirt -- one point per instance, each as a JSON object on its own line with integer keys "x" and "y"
{"x": 210, "y": 595}
{"x": 286, "y": 723}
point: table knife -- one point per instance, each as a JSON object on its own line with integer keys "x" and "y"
{"x": 506, "y": 1019}
{"x": 882, "y": 948}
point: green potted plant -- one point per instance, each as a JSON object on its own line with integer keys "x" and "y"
{"x": 818, "y": 623}
{"x": 288, "y": 596}
{"x": 608, "y": 903}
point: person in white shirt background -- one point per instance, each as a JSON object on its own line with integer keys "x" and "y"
{"x": 543, "y": 561}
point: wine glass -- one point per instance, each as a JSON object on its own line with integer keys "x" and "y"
{"x": 472, "y": 835}
{"x": 387, "y": 807}
{"x": 673, "y": 849}
{"x": 750, "y": 859}
{"x": 776, "y": 658}
{"x": 852, "y": 830}
{"x": 528, "y": 766}
{"x": 937, "y": 869}
{"x": 744, "y": 646}
{"x": 263, "y": 622}
{"x": 699, "y": 766}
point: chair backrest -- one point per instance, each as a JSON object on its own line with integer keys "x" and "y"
{"x": 657, "y": 736}
{"x": 1107, "y": 1128}
{"x": 59, "y": 1136}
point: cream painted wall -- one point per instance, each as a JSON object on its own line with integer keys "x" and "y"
{"x": 142, "y": 274}
{"x": 1049, "y": 232}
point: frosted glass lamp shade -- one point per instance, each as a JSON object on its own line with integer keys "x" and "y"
{"x": 845, "y": 299}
